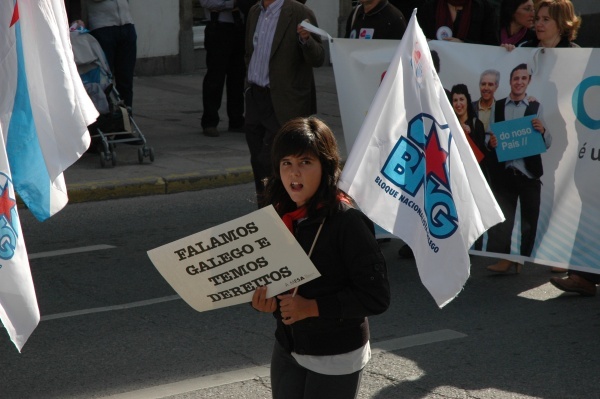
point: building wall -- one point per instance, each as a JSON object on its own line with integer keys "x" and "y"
{"x": 157, "y": 26}
{"x": 165, "y": 38}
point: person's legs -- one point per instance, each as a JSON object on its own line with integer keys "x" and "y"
{"x": 125, "y": 57}
{"x": 529, "y": 198}
{"x": 217, "y": 54}
{"x": 236, "y": 72}
{"x": 261, "y": 127}
{"x": 288, "y": 378}
{"x": 107, "y": 38}
{"x": 320, "y": 386}
{"x": 499, "y": 236}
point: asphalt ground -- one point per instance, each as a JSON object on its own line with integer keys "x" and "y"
{"x": 167, "y": 110}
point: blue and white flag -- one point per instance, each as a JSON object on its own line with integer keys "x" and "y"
{"x": 44, "y": 109}
{"x": 19, "y": 311}
{"x": 412, "y": 171}
{"x": 44, "y": 114}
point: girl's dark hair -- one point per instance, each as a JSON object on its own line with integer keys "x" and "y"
{"x": 306, "y": 136}
{"x": 462, "y": 89}
{"x": 508, "y": 8}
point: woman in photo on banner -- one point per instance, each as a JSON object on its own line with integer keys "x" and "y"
{"x": 322, "y": 333}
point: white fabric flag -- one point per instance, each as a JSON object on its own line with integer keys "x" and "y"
{"x": 44, "y": 114}
{"x": 18, "y": 305}
{"x": 45, "y": 109}
{"x": 412, "y": 171}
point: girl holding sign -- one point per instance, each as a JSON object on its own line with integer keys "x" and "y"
{"x": 322, "y": 335}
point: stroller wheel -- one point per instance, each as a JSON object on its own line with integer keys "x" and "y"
{"x": 140, "y": 155}
{"x": 102, "y": 159}
{"x": 114, "y": 158}
{"x": 151, "y": 154}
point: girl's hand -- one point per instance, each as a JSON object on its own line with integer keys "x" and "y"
{"x": 260, "y": 301}
{"x": 296, "y": 308}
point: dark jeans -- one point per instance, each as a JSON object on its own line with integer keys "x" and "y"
{"x": 516, "y": 187}
{"x": 261, "y": 127}
{"x": 119, "y": 45}
{"x": 289, "y": 380}
{"x": 224, "y": 44}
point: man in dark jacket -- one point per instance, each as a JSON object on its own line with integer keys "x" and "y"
{"x": 375, "y": 19}
{"x": 280, "y": 83}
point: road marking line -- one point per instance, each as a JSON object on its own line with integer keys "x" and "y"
{"x": 194, "y": 384}
{"x": 109, "y": 308}
{"x": 415, "y": 340}
{"x": 69, "y": 251}
{"x": 230, "y": 377}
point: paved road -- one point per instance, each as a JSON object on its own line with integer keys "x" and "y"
{"x": 112, "y": 327}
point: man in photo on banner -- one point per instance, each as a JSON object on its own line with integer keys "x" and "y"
{"x": 518, "y": 179}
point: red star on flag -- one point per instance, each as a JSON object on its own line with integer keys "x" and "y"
{"x": 15, "y": 16}
{"x": 435, "y": 157}
{"x": 6, "y": 204}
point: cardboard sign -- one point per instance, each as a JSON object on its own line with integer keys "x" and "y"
{"x": 517, "y": 139}
{"x": 223, "y": 265}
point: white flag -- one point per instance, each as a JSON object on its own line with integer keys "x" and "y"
{"x": 18, "y": 305}
{"x": 44, "y": 109}
{"x": 44, "y": 114}
{"x": 412, "y": 171}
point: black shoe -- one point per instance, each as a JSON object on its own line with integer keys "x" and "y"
{"x": 405, "y": 252}
{"x": 210, "y": 131}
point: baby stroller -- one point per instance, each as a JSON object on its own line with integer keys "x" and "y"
{"x": 115, "y": 123}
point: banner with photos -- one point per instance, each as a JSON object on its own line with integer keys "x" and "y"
{"x": 566, "y": 83}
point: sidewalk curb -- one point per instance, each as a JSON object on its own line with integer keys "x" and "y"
{"x": 105, "y": 190}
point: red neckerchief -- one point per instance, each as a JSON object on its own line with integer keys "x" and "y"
{"x": 290, "y": 217}
{"x": 300, "y": 213}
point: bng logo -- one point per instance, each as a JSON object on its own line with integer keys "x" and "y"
{"x": 8, "y": 219}
{"x": 420, "y": 160}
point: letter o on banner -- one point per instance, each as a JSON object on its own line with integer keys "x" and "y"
{"x": 579, "y": 105}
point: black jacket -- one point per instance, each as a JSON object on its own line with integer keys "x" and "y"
{"x": 353, "y": 285}
{"x": 483, "y": 29}
{"x": 386, "y": 21}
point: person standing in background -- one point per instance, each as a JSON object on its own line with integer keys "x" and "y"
{"x": 516, "y": 21}
{"x": 110, "y": 22}
{"x": 469, "y": 21}
{"x": 224, "y": 44}
{"x": 375, "y": 19}
{"x": 280, "y": 85}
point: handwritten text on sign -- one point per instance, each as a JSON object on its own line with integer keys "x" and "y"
{"x": 517, "y": 139}
{"x": 223, "y": 265}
